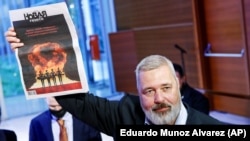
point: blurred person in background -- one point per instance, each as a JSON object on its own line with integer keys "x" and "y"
{"x": 44, "y": 127}
{"x": 190, "y": 95}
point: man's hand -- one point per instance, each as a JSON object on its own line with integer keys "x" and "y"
{"x": 10, "y": 36}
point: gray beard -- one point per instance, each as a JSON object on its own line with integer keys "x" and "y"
{"x": 164, "y": 118}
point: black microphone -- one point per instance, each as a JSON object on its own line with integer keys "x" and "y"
{"x": 181, "y": 49}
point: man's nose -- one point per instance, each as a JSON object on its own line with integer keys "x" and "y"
{"x": 158, "y": 98}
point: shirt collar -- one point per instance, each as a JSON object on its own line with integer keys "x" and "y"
{"x": 182, "y": 117}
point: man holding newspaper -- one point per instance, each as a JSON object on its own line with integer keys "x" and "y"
{"x": 159, "y": 101}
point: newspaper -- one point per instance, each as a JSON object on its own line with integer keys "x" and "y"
{"x": 50, "y": 62}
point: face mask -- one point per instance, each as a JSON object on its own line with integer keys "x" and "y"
{"x": 58, "y": 114}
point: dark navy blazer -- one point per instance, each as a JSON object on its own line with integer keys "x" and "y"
{"x": 41, "y": 129}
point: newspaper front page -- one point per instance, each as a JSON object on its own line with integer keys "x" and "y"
{"x": 50, "y": 62}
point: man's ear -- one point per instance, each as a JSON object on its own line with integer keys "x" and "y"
{"x": 177, "y": 82}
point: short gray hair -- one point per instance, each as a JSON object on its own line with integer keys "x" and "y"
{"x": 152, "y": 62}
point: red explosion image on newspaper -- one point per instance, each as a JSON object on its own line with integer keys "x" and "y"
{"x": 47, "y": 56}
{"x": 48, "y": 60}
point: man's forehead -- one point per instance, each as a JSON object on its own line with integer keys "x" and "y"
{"x": 52, "y": 101}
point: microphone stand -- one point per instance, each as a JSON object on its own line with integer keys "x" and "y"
{"x": 182, "y": 51}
